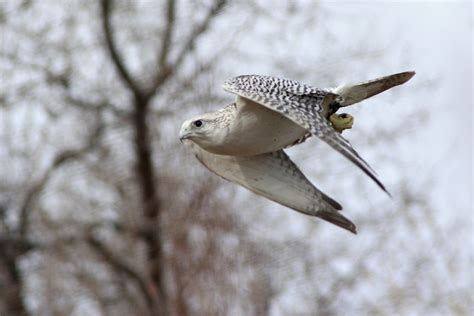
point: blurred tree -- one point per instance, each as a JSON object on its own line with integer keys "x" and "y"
{"x": 98, "y": 88}
{"x": 103, "y": 212}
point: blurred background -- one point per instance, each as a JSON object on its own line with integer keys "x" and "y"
{"x": 104, "y": 212}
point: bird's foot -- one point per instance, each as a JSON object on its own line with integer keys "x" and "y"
{"x": 342, "y": 121}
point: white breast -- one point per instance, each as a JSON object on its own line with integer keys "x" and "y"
{"x": 256, "y": 130}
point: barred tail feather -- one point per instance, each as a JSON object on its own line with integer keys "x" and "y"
{"x": 350, "y": 94}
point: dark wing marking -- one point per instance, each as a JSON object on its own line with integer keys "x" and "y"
{"x": 303, "y": 105}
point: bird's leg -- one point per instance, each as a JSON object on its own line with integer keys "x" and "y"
{"x": 342, "y": 121}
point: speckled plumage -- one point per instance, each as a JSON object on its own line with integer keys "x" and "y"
{"x": 225, "y": 116}
{"x": 243, "y": 142}
{"x": 303, "y": 105}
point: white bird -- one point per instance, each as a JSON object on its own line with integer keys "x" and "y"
{"x": 243, "y": 142}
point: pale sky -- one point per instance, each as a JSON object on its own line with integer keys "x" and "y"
{"x": 439, "y": 39}
{"x": 433, "y": 38}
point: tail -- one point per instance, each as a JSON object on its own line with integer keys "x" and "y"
{"x": 337, "y": 219}
{"x": 350, "y": 94}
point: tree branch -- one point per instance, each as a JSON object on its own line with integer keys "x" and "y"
{"x": 166, "y": 40}
{"x": 14, "y": 246}
{"x": 199, "y": 30}
{"x": 166, "y": 71}
{"x": 106, "y": 6}
{"x": 188, "y": 83}
{"x": 119, "y": 266}
{"x": 59, "y": 160}
{"x": 150, "y": 202}
{"x": 12, "y": 286}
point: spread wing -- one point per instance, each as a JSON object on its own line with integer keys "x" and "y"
{"x": 277, "y": 178}
{"x": 303, "y": 105}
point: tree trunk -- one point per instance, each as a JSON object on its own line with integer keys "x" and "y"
{"x": 150, "y": 202}
{"x": 12, "y": 286}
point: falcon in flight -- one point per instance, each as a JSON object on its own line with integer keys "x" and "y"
{"x": 244, "y": 141}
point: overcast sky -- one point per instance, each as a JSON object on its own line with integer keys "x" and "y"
{"x": 435, "y": 40}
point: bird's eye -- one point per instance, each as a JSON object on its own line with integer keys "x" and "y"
{"x": 344, "y": 115}
{"x": 197, "y": 123}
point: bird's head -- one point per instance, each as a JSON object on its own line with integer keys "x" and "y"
{"x": 199, "y": 130}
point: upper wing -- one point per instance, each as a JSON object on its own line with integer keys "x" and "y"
{"x": 300, "y": 103}
{"x": 277, "y": 178}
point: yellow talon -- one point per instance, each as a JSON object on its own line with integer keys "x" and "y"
{"x": 342, "y": 121}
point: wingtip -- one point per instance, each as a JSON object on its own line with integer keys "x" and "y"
{"x": 380, "y": 184}
{"x": 337, "y": 219}
{"x": 400, "y": 78}
{"x": 352, "y": 228}
{"x": 409, "y": 74}
{"x": 385, "y": 190}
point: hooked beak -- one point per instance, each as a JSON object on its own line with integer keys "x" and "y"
{"x": 183, "y": 134}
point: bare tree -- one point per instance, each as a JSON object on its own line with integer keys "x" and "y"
{"x": 153, "y": 209}
{"x": 102, "y": 211}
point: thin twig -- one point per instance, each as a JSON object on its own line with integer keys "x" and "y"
{"x": 166, "y": 42}
{"x": 187, "y": 48}
{"x": 121, "y": 267}
{"x": 112, "y": 48}
{"x": 199, "y": 30}
{"x": 60, "y": 159}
